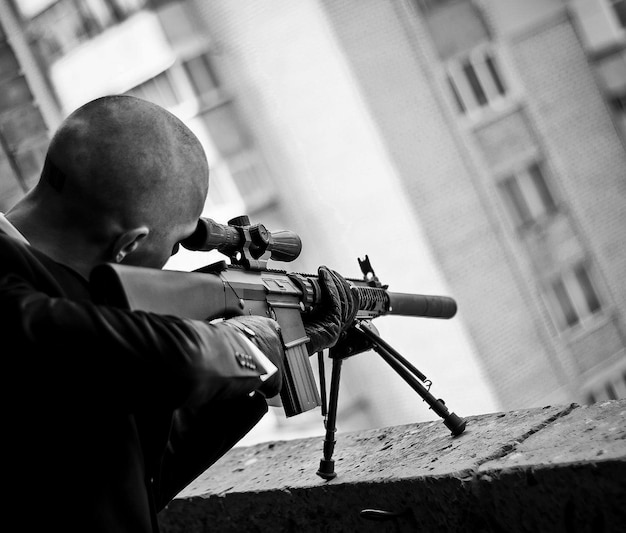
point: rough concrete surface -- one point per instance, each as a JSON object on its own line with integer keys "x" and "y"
{"x": 557, "y": 468}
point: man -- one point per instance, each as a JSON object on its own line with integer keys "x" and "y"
{"x": 109, "y": 413}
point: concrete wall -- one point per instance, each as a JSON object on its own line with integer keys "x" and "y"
{"x": 555, "y": 468}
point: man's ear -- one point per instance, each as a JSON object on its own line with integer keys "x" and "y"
{"x": 128, "y": 242}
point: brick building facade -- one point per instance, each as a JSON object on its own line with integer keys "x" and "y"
{"x": 510, "y": 155}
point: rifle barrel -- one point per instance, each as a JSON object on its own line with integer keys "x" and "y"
{"x": 379, "y": 301}
{"x": 421, "y": 305}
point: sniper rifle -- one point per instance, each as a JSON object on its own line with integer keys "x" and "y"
{"x": 247, "y": 287}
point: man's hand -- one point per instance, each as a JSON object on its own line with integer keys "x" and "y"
{"x": 265, "y": 333}
{"x": 333, "y": 315}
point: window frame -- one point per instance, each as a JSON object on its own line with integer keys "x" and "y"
{"x": 619, "y": 9}
{"x": 529, "y": 197}
{"x": 474, "y": 76}
{"x": 65, "y": 25}
{"x": 571, "y": 305}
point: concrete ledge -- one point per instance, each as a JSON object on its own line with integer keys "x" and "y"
{"x": 557, "y": 468}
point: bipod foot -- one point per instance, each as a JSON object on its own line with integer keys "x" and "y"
{"x": 327, "y": 469}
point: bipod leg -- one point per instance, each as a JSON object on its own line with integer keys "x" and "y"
{"x": 408, "y": 372}
{"x": 327, "y": 465}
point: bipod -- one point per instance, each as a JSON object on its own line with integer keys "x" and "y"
{"x": 361, "y": 337}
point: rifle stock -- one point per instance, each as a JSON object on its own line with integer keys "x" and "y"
{"x": 224, "y": 291}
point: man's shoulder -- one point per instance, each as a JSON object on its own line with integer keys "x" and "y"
{"x": 18, "y": 255}
{"x": 39, "y": 270}
{"x": 9, "y": 244}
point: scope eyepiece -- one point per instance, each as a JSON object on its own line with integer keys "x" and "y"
{"x": 210, "y": 235}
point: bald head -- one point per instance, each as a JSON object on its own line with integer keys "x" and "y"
{"x": 127, "y": 158}
{"x": 124, "y": 180}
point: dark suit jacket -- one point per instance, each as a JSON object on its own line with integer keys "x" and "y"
{"x": 108, "y": 413}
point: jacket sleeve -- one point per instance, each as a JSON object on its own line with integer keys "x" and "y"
{"x": 134, "y": 357}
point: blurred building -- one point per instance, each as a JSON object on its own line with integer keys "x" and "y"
{"x": 470, "y": 148}
{"x": 23, "y": 129}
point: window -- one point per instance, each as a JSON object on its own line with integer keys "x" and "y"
{"x": 611, "y": 72}
{"x": 201, "y": 74}
{"x": 160, "y": 90}
{"x": 613, "y": 388}
{"x": 572, "y": 296}
{"x": 475, "y": 81}
{"x": 528, "y": 196}
{"x": 252, "y": 180}
{"x": 427, "y": 5}
{"x": 225, "y": 128}
{"x": 174, "y": 86}
{"x": 619, "y": 6}
{"x": 618, "y": 104}
{"x": 65, "y": 24}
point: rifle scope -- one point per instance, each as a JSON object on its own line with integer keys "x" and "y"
{"x": 239, "y": 238}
